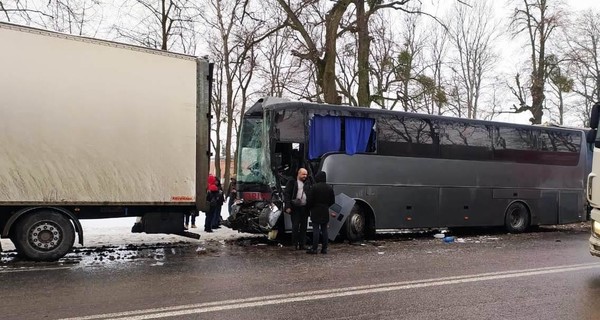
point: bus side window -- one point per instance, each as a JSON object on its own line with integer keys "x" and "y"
{"x": 405, "y": 136}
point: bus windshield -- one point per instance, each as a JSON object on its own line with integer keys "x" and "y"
{"x": 253, "y": 164}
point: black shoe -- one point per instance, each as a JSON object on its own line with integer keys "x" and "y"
{"x": 208, "y": 231}
{"x": 324, "y": 251}
{"x": 137, "y": 228}
{"x": 311, "y": 251}
{"x": 217, "y": 227}
{"x": 301, "y": 248}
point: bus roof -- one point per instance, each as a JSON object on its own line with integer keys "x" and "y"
{"x": 275, "y": 104}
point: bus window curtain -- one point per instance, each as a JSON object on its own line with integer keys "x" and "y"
{"x": 325, "y": 135}
{"x": 358, "y": 132}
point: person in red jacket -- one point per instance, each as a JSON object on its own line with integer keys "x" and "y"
{"x": 212, "y": 198}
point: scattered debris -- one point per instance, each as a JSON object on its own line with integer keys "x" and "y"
{"x": 449, "y": 239}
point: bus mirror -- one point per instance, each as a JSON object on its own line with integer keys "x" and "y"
{"x": 594, "y": 114}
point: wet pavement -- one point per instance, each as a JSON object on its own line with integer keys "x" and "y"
{"x": 482, "y": 274}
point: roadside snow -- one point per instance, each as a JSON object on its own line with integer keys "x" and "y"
{"x": 117, "y": 232}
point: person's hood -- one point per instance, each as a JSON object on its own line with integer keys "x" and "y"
{"x": 212, "y": 180}
{"x": 321, "y": 177}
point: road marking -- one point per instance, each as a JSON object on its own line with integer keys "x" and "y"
{"x": 182, "y": 310}
{"x": 12, "y": 270}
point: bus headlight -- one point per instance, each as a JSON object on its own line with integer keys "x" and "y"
{"x": 596, "y": 228}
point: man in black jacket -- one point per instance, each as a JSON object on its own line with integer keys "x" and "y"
{"x": 319, "y": 198}
{"x": 295, "y": 205}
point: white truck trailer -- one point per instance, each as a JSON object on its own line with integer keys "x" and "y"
{"x": 95, "y": 129}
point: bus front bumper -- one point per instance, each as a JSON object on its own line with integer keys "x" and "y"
{"x": 253, "y": 217}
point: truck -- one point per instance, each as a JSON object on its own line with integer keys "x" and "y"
{"x": 95, "y": 129}
{"x": 593, "y": 183}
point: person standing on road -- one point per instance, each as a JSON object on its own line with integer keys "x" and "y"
{"x": 231, "y": 193}
{"x": 319, "y": 198}
{"x": 193, "y": 214}
{"x": 295, "y": 203}
{"x": 212, "y": 198}
{"x": 216, "y": 222}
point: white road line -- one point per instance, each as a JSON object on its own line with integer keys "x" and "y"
{"x": 329, "y": 293}
{"x": 10, "y": 270}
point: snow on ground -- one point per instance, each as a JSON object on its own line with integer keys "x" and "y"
{"x": 117, "y": 232}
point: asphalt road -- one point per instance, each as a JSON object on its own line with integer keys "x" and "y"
{"x": 547, "y": 274}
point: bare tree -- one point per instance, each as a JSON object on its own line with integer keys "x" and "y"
{"x": 163, "y": 24}
{"x": 82, "y": 17}
{"x": 24, "y": 12}
{"x": 560, "y": 84}
{"x": 383, "y": 68}
{"x": 347, "y": 68}
{"x": 472, "y": 33}
{"x": 365, "y": 10}
{"x": 583, "y": 56}
{"x": 414, "y": 85}
{"x": 438, "y": 52}
{"x": 538, "y": 20}
{"x": 237, "y": 29}
{"x": 277, "y": 67}
{"x": 219, "y": 105}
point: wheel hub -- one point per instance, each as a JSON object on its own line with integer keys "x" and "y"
{"x": 45, "y": 236}
{"x": 357, "y": 223}
{"x": 516, "y": 218}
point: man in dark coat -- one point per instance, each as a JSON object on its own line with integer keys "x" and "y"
{"x": 320, "y": 197}
{"x": 295, "y": 205}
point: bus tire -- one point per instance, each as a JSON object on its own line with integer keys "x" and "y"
{"x": 594, "y": 116}
{"x": 44, "y": 235}
{"x": 516, "y": 219}
{"x": 355, "y": 225}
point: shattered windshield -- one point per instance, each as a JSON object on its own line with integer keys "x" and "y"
{"x": 254, "y": 160}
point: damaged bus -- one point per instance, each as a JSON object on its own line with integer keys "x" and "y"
{"x": 407, "y": 170}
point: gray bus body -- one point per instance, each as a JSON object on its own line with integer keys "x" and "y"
{"x": 422, "y": 171}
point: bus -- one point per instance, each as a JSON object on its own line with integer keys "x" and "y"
{"x": 409, "y": 170}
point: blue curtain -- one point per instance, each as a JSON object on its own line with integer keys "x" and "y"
{"x": 358, "y": 131}
{"x": 325, "y": 135}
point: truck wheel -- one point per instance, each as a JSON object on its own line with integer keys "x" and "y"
{"x": 355, "y": 224}
{"x": 517, "y": 218}
{"x": 44, "y": 236}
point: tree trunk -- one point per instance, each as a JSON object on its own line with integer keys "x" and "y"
{"x": 364, "y": 44}
{"x": 164, "y": 21}
{"x": 328, "y": 77}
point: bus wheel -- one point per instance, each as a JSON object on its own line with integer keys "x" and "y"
{"x": 355, "y": 224}
{"x": 517, "y": 218}
{"x": 44, "y": 236}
